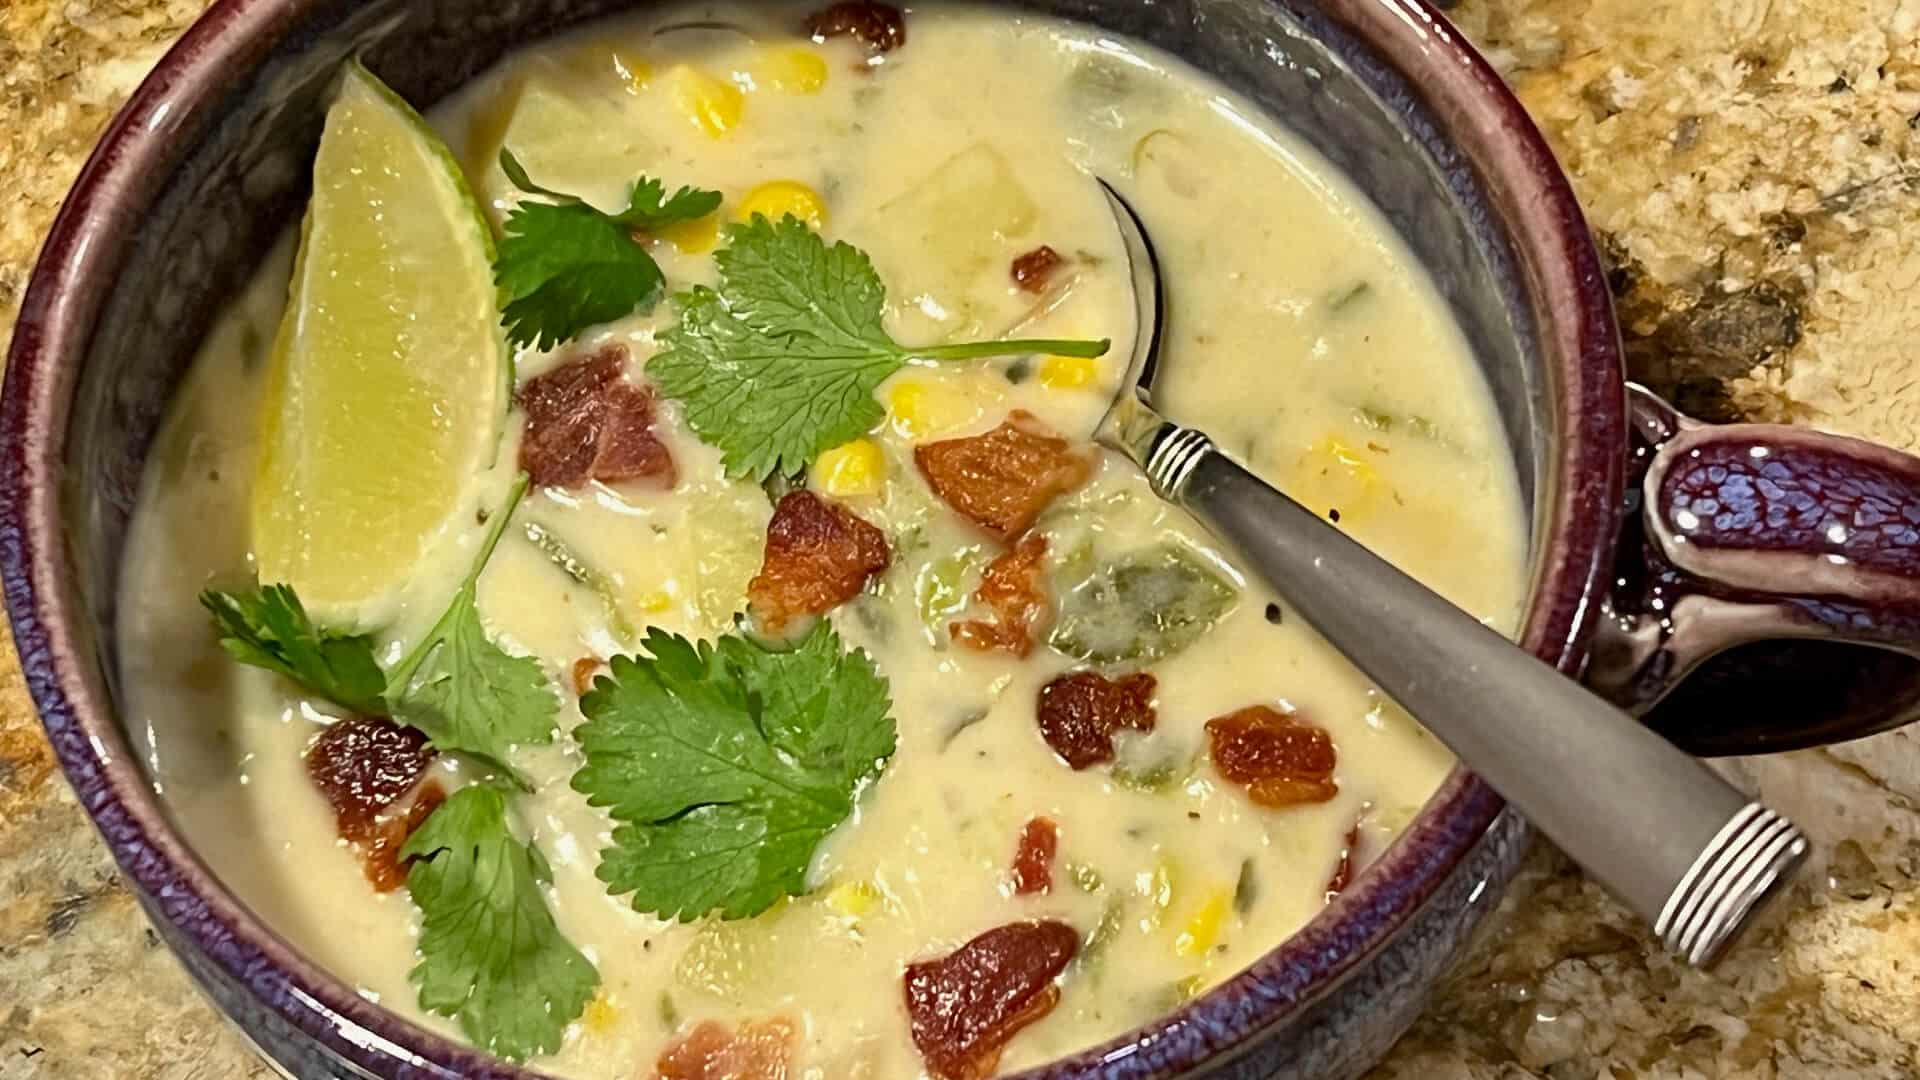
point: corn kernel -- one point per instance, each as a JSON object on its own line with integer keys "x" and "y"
{"x": 656, "y": 602}
{"x": 1334, "y": 477}
{"x": 1346, "y": 455}
{"x": 919, "y": 409}
{"x": 709, "y": 104}
{"x": 1203, "y": 928}
{"x": 632, "y": 70}
{"x": 692, "y": 237}
{"x": 852, "y": 468}
{"x": 791, "y": 70}
{"x": 1068, "y": 372}
{"x": 907, "y": 404}
{"x": 853, "y": 899}
{"x": 600, "y": 1015}
{"x": 778, "y": 198}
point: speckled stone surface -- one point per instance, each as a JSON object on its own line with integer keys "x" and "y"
{"x": 1750, "y": 167}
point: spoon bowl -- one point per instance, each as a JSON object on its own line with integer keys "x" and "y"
{"x": 1149, "y": 300}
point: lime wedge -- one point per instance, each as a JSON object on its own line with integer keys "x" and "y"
{"x": 389, "y": 375}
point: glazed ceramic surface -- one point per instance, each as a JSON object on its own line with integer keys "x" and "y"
{"x": 206, "y": 166}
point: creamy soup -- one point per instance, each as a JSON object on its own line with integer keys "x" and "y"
{"x": 1303, "y": 337}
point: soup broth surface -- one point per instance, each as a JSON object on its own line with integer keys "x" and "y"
{"x": 1302, "y": 336}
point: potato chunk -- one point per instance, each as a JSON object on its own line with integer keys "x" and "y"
{"x": 944, "y": 245}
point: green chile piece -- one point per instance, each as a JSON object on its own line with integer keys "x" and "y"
{"x": 1144, "y": 606}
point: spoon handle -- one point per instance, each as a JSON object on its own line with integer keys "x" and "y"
{"x": 1678, "y": 844}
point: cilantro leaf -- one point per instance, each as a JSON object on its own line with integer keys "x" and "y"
{"x": 781, "y": 362}
{"x": 725, "y": 764}
{"x": 649, "y": 207}
{"x": 490, "y": 954}
{"x": 462, "y": 690}
{"x": 564, "y": 266}
{"x": 771, "y": 403}
{"x": 269, "y": 628}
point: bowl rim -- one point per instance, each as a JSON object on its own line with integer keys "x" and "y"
{"x": 91, "y": 236}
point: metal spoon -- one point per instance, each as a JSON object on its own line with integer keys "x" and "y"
{"x": 1679, "y": 845}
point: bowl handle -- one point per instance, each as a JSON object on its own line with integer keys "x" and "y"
{"x": 1740, "y": 534}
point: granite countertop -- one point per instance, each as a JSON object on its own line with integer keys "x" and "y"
{"x": 1750, "y": 168}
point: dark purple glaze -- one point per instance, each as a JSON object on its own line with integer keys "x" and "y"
{"x": 1751, "y": 506}
{"x": 1777, "y": 568}
{"x": 204, "y": 168}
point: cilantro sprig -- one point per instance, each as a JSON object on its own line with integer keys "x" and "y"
{"x": 724, "y": 765}
{"x": 269, "y": 628}
{"x": 491, "y": 955}
{"x": 564, "y": 266}
{"x": 781, "y": 361}
{"x": 462, "y": 690}
{"x": 459, "y": 688}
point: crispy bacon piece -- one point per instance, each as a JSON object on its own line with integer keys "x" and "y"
{"x": 966, "y": 1006}
{"x": 758, "y": 1050}
{"x": 1033, "y": 270}
{"x": 585, "y": 422}
{"x": 1003, "y": 479}
{"x": 584, "y": 670}
{"x": 369, "y": 768}
{"x": 381, "y": 854}
{"x": 1014, "y": 586}
{"x": 1033, "y": 859}
{"x": 880, "y": 27}
{"x": 1081, "y": 710}
{"x": 1281, "y": 760}
{"x": 363, "y": 765}
{"x": 1349, "y": 854}
{"x": 819, "y": 555}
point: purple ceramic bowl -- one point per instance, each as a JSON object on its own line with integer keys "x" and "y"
{"x": 206, "y": 165}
